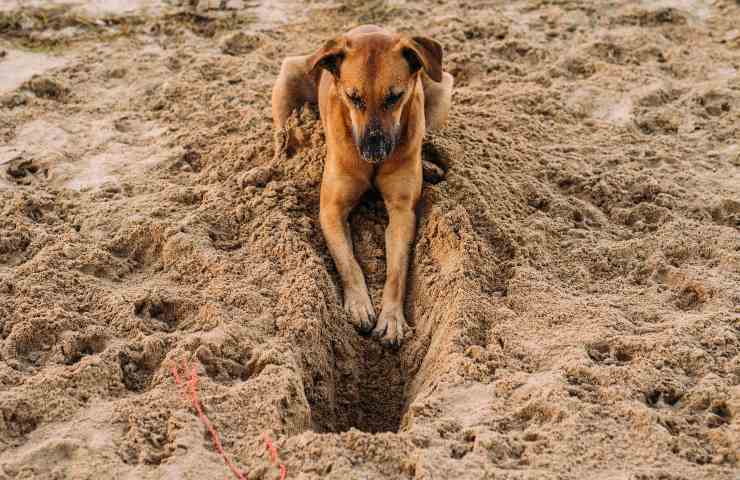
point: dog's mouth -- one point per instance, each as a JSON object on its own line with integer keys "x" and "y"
{"x": 375, "y": 156}
{"x": 375, "y": 146}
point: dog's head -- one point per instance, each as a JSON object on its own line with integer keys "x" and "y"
{"x": 375, "y": 75}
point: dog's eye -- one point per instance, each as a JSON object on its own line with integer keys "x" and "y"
{"x": 392, "y": 99}
{"x": 356, "y": 100}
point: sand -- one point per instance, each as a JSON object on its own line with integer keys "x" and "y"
{"x": 574, "y": 291}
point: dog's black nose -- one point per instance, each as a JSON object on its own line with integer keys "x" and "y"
{"x": 375, "y": 146}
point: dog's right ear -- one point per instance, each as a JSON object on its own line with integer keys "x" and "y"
{"x": 330, "y": 56}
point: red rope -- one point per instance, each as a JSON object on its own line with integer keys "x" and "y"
{"x": 193, "y": 397}
{"x": 274, "y": 455}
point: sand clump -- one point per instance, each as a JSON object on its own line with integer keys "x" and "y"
{"x": 574, "y": 289}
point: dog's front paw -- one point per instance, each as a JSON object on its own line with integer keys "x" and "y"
{"x": 361, "y": 312}
{"x": 391, "y": 325}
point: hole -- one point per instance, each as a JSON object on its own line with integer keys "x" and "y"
{"x": 436, "y": 155}
{"x": 222, "y": 369}
{"x": 81, "y": 344}
{"x": 190, "y": 160}
{"x": 718, "y": 415}
{"x": 671, "y": 397}
{"x": 605, "y": 353}
{"x": 662, "y": 397}
{"x": 622, "y": 356}
{"x": 368, "y": 390}
{"x": 23, "y": 171}
{"x": 720, "y": 409}
{"x": 162, "y": 313}
{"x": 225, "y": 240}
{"x": 432, "y": 173}
{"x": 458, "y": 451}
{"x": 598, "y": 352}
{"x": 652, "y": 398}
{"x": 669, "y": 425}
{"x": 18, "y": 419}
{"x": 135, "y": 375}
{"x": 353, "y": 381}
{"x": 691, "y": 296}
{"x": 76, "y": 347}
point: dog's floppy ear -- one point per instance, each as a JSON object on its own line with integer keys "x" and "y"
{"x": 330, "y": 56}
{"x": 423, "y": 52}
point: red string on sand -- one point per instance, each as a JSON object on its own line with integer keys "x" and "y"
{"x": 192, "y": 394}
{"x": 273, "y": 455}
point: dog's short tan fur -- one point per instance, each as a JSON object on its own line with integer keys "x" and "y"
{"x": 378, "y": 93}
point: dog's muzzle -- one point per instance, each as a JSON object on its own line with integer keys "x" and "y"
{"x": 375, "y": 146}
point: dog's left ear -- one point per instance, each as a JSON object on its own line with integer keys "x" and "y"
{"x": 423, "y": 52}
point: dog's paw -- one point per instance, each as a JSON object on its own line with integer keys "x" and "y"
{"x": 391, "y": 326}
{"x": 360, "y": 309}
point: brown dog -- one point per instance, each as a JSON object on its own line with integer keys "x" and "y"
{"x": 375, "y": 105}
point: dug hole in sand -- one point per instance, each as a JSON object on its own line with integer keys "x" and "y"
{"x": 575, "y": 281}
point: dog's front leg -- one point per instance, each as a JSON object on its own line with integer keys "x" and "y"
{"x": 398, "y": 238}
{"x": 337, "y": 199}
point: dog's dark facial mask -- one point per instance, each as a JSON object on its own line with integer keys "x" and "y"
{"x": 375, "y": 144}
{"x": 375, "y": 75}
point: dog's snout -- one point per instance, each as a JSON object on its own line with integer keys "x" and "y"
{"x": 375, "y": 145}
